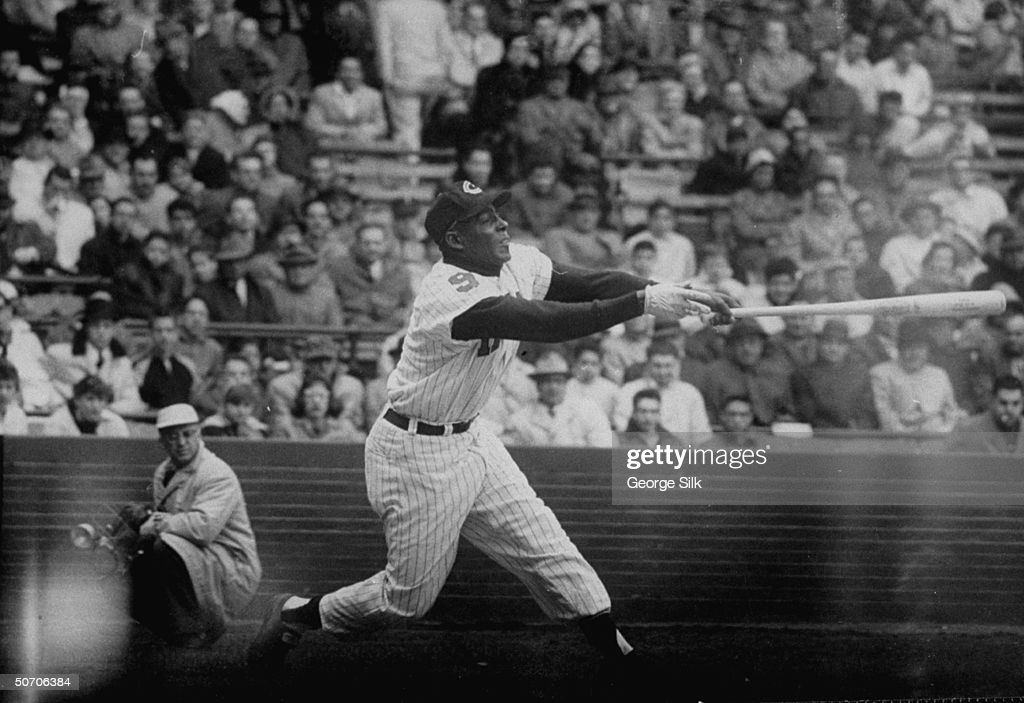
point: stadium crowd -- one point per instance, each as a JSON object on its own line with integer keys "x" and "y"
{"x": 178, "y": 162}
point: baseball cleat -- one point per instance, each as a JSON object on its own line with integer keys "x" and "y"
{"x": 275, "y": 639}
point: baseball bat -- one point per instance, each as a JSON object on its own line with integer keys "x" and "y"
{"x": 965, "y": 304}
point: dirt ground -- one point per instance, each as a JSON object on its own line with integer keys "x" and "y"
{"x": 682, "y": 662}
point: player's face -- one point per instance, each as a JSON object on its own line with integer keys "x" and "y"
{"x": 181, "y": 443}
{"x": 486, "y": 241}
{"x": 1007, "y": 406}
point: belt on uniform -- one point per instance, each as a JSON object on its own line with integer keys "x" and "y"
{"x": 403, "y": 423}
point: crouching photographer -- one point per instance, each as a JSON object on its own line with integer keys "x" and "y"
{"x": 197, "y": 561}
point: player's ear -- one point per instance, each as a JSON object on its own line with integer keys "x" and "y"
{"x": 453, "y": 239}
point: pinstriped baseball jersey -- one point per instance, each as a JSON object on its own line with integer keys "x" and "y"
{"x": 439, "y": 379}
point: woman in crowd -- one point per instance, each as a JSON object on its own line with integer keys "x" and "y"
{"x": 314, "y": 418}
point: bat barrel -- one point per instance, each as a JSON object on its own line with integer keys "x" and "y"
{"x": 965, "y": 304}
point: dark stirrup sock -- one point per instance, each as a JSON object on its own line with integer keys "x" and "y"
{"x": 308, "y": 614}
{"x": 603, "y": 636}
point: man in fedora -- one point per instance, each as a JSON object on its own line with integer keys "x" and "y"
{"x": 305, "y": 297}
{"x": 198, "y": 562}
{"x": 235, "y": 296}
{"x": 554, "y": 420}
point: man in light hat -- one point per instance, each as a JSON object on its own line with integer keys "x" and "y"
{"x": 552, "y": 419}
{"x": 199, "y": 562}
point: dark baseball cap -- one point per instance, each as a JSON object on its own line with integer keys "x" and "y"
{"x": 460, "y": 202}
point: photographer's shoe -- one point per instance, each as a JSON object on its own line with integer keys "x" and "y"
{"x": 275, "y": 639}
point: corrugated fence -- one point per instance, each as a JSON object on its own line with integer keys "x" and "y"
{"x": 721, "y": 563}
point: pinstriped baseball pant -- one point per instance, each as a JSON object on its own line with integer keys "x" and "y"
{"x": 428, "y": 490}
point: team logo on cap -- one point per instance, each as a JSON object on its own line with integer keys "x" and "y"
{"x": 471, "y": 189}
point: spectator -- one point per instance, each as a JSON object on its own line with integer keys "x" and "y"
{"x": 24, "y": 249}
{"x": 996, "y": 60}
{"x": 278, "y": 185}
{"x": 30, "y": 169}
{"x": 236, "y": 418}
{"x": 964, "y": 17}
{"x": 879, "y": 344}
{"x": 781, "y": 276}
{"x": 207, "y": 164}
{"x": 99, "y": 49}
{"x": 826, "y": 226}
{"x": 347, "y": 109}
{"x": 841, "y": 287}
{"x": 724, "y": 172}
{"x": 856, "y": 70}
{"x": 795, "y": 347}
{"x": 249, "y": 65}
{"x": 537, "y": 203}
{"x": 638, "y": 36}
{"x": 235, "y": 296}
{"x": 319, "y": 360}
{"x": 236, "y": 370}
{"x": 475, "y": 47}
{"x": 476, "y": 164}
{"x": 306, "y": 297}
{"x": 116, "y": 246}
{"x": 910, "y": 394}
{"x": 972, "y": 206}
{"x": 61, "y": 146}
{"x": 898, "y": 190}
{"x": 737, "y": 420}
{"x": 746, "y": 371}
{"x": 587, "y": 385}
{"x": 292, "y": 63}
{"x": 937, "y": 51}
{"x": 314, "y": 418}
{"x": 182, "y": 216}
{"x": 734, "y": 113}
{"x": 199, "y": 562}
{"x": 1006, "y": 274}
{"x": 372, "y": 284}
{"x": 149, "y": 283}
{"x": 683, "y": 408}
{"x": 577, "y": 27}
{"x": 873, "y": 229}
{"x": 88, "y": 412}
{"x": 727, "y": 55}
{"x": 17, "y": 98}
{"x": 165, "y": 376}
{"x": 701, "y": 100}
{"x": 414, "y": 48}
{"x": 499, "y": 90}
{"x": 194, "y": 342}
{"x": 892, "y": 130}
{"x": 624, "y": 352}
{"x": 583, "y": 242}
{"x": 328, "y": 242}
{"x": 644, "y": 428}
{"x": 21, "y": 346}
{"x": 775, "y": 72}
{"x": 675, "y": 258}
{"x": 938, "y": 271}
{"x": 151, "y": 196}
{"x": 67, "y": 222}
{"x": 903, "y": 255}
{"x": 559, "y": 127}
{"x": 13, "y": 420}
{"x": 554, "y": 419}
{"x": 279, "y": 108}
{"x": 585, "y": 74}
{"x": 903, "y": 74}
{"x": 246, "y": 181}
{"x": 997, "y": 431}
{"x": 715, "y": 273}
{"x": 1009, "y": 355}
{"x": 969, "y": 369}
{"x": 800, "y": 162}
{"x": 759, "y": 211}
{"x": 830, "y": 103}
{"x": 670, "y": 131}
{"x": 815, "y": 386}
{"x": 952, "y": 132}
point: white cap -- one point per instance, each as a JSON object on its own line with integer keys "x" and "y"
{"x": 177, "y": 414}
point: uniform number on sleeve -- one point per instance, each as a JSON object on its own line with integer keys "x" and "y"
{"x": 488, "y": 346}
{"x": 463, "y": 282}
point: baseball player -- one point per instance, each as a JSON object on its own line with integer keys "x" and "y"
{"x": 432, "y": 474}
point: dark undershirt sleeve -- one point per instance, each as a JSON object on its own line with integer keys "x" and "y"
{"x": 508, "y": 317}
{"x": 576, "y": 285}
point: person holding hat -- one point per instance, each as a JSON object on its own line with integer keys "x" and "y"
{"x": 911, "y": 394}
{"x": 553, "y": 419}
{"x": 320, "y": 357}
{"x": 235, "y": 296}
{"x": 834, "y": 392}
{"x": 95, "y": 351}
{"x": 434, "y": 473}
{"x": 87, "y": 412}
{"x": 198, "y": 563}
{"x": 306, "y": 296}
{"x": 903, "y": 255}
{"x": 583, "y": 242}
